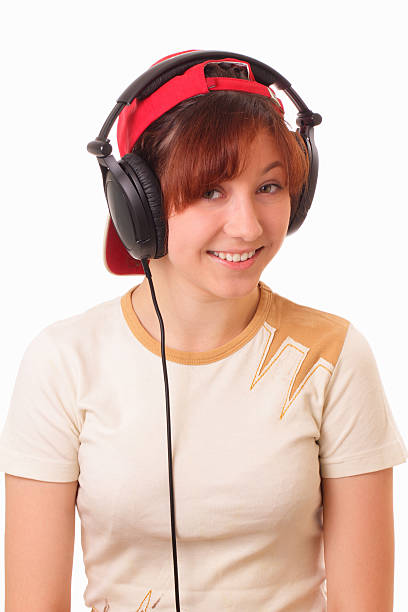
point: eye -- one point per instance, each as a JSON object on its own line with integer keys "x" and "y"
{"x": 275, "y": 187}
{"x": 205, "y": 195}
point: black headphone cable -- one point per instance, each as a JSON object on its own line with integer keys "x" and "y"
{"x": 146, "y": 269}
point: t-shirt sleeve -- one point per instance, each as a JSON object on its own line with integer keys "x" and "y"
{"x": 40, "y": 437}
{"x": 358, "y": 433}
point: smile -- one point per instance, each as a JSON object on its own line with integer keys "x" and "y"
{"x": 227, "y": 259}
{"x": 234, "y": 256}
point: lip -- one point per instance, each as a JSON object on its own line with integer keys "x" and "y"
{"x": 233, "y": 252}
{"x": 237, "y": 265}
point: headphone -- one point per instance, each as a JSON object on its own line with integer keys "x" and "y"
{"x": 134, "y": 196}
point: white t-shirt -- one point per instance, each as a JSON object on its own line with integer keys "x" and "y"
{"x": 255, "y": 424}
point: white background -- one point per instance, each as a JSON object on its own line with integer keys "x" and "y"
{"x": 64, "y": 65}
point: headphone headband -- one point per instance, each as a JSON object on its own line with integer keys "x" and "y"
{"x": 169, "y": 67}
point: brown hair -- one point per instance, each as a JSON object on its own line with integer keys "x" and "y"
{"x": 204, "y": 140}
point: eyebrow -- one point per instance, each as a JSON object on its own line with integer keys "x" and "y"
{"x": 272, "y": 165}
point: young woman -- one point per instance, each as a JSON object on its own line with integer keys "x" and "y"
{"x": 283, "y": 440}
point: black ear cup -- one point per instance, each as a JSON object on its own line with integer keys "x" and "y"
{"x": 135, "y": 203}
{"x": 139, "y": 171}
{"x": 300, "y": 210}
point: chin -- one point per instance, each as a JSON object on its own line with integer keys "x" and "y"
{"x": 234, "y": 288}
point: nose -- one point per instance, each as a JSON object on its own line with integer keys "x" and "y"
{"x": 242, "y": 221}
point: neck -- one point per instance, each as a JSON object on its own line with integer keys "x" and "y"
{"x": 196, "y": 321}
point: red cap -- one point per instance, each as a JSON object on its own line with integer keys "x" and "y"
{"x": 139, "y": 114}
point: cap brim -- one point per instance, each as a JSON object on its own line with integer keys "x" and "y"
{"x": 116, "y": 258}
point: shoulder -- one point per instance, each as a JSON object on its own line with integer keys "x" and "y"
{"x": 80, "y": 332}
{"x": 322, "y": 334}
{"x": 303, "y": 316}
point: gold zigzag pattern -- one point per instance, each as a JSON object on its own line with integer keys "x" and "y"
{"x": 265, "y": 365}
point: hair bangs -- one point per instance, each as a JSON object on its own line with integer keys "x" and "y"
{"x": 210, "y": 148}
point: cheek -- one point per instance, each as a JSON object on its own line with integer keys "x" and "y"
{"x": 278, "y": 222}
{"x": 181, "y": 238}
{"x": 187, "y": 236}
{"x": 286, "y": 210}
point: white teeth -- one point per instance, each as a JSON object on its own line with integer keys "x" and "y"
{"x": 235, "y": 256}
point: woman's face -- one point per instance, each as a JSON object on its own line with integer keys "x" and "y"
{"x": 249, "y": 212}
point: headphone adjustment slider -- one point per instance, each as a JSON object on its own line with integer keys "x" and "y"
{"x": 100, "y": 148}
{"x": 309, "y": 118}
